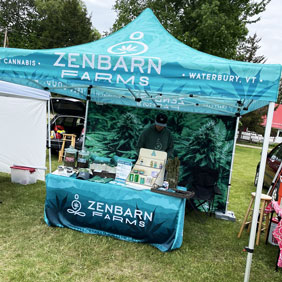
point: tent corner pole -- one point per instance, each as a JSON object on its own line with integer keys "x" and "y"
{"x": 49, "y": 138}
{"x": 258, "y": 190}
{"x": 232, "y": 162}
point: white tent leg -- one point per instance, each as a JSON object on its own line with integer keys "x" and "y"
{"x": 49, "y": 138}
{"x": 259, "y": 189}
{"x": 232, "y": 161}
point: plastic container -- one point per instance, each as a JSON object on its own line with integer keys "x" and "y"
{"x": 70, "y": 157}
{"x": 273, "y": 225}
{"x": 83, "y": 159}
{"x": 23, "y": 175}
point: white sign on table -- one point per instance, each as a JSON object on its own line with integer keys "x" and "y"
{"x": 122, "y": 171}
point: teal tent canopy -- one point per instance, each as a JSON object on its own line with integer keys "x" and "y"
{"x": 142, "y": 65}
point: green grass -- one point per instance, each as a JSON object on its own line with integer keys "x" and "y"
{"x": 32, "y": 251}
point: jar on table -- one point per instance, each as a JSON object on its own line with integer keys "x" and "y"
{"x": 83, "y": 159}
{"x": 70, "y": 157}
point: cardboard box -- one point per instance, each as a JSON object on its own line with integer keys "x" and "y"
{"x": 23, "y": 175}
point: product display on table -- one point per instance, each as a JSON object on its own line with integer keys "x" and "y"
{"x": 64, "y": 171}
{"x": 70, "y": 157}
{"x": 83, "y": 159}
{"x": 149, "y": 170}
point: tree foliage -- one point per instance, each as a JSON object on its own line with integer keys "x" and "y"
{"x": 36, "y": 24}
{"x": 20, "y": 18}
{"x": 215, "y": 27}
{"x": 279, "y": 100}
{"x": 247, "y": 50}
{"x": 64, "y": 23}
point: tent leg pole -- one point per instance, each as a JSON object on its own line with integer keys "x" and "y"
{"x": 49, "y": 136}
{"x": 258, "y": 190}
{"x": 85, "y": 124}
{"x": 232, "y": 161}
{"x": 86, "y": 115}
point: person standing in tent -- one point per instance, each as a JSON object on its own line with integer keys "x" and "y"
{"x": 157, "y": 137}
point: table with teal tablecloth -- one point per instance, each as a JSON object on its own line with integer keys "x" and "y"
{"x": 115, "y": 210}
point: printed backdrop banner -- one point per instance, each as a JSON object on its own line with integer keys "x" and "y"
{"x": 199, "y": 140}
{"x": 114, "y": 210}
{"x": 142, "y": 65}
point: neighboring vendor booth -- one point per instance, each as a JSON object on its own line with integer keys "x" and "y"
{"x": 143, "y": 66}
{"x": 23, "y": 132}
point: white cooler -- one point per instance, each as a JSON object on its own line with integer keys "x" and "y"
{"x": 23, "y": 175}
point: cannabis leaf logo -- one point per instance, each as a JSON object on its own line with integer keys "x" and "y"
{"x": 128, "y": 48}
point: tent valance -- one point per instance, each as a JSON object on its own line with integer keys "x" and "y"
{"x": 15, "y": 90}
{"x": 142, "y": 65}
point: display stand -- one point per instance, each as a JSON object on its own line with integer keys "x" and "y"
{"x": 149, "y": 170}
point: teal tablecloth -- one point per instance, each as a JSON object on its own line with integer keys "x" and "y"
{"x": 115, "y": 210}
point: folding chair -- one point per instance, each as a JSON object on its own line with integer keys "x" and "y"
{"x": 205, "y": 187}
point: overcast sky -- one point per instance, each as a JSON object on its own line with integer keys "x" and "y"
{"x": 269, "y": 28}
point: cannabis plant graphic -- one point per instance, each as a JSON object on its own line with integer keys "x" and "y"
{"x": 199, "y": 140}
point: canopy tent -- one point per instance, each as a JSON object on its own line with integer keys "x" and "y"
{"x": 23, "y": 127}
{"x": 142, "y": 65}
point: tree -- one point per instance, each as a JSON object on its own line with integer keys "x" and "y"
{"x": 279, "y": 100}
{"x": 64, "y": 23}
{"x": 36, "y": 24}
{"x": 247, "y": 50}
{"x": 20, "y": 18}
{"x": 215, "y": 27}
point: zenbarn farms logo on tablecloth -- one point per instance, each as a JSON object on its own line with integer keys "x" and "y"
{"x": 111, "y": 212}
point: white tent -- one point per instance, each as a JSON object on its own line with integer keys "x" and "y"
{"x": 23, "y": 124}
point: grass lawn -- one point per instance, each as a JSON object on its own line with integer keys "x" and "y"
{"x": 32, "y": 251}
